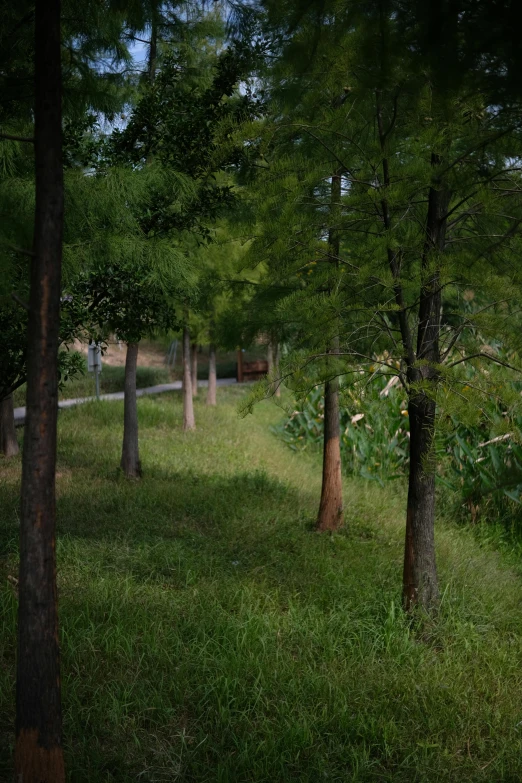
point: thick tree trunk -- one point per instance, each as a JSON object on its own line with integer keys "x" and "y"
{"x": 189, "y": 423}
{"x": 194, "y": 368}
{"x": 420, "y": 585}
{"x": 8, "y": 439}
{"x": 331, "y": 507}
{"x": 38, "y": 750}
{"x": 212, "y": 376}
{"x": 130, "y": 455}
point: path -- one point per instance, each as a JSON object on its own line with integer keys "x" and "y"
{"x": 19, "y": 413}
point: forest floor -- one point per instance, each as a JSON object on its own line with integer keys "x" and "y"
{"x": 208, "y": 634}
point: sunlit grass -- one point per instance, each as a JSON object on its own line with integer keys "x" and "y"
{"x": 209, "y": 635}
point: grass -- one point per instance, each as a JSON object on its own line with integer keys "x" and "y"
{"x": 209, "y": 635}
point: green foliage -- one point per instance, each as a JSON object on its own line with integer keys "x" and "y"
{"x": 477, "y": 444}
{"x": 374, "y": 430}
{"x": 121, "y": 300}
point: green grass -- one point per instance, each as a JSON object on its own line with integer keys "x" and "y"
{"x": 209, "y": 635}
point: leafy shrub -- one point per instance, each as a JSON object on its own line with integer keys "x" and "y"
{"x": 484, "y": 468}
{"x": 374, "y": 429}
{"x": 479, "y": 457}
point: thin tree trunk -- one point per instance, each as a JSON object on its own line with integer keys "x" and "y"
{"x": 130, "y": 455}
{"x": 8, "y": 439}
{"x": 270, "y": 356}
{"x": 189, "y": 423}
{"x": 38, "y": 750}
{"x": 277, "y": 353}
{"x": 331, "y": 507}
{"x": 194, "y": 368}
{"x": 153, "y": 51}
{"x": 330, "y": 515}
{"x": 212, "y": 376}
{"x": 420, "y": 584}
{"x": 239, "y": 366}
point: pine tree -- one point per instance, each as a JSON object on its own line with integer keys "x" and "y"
{"x": 423, "y": 168}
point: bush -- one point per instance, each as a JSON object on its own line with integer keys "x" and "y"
{"x": 374, "y": 429}
{"x": 479, "y": 459}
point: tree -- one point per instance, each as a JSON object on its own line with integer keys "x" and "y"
{"x": 176, "y": 123}
{"x": 189, "y": 422}
{"x": 39, "y": 755}
{"x": 127, "y": 299}
{"x": 38, "y": 751}
{"x": 423, "y": 165}
{"x": 8, "y": 440}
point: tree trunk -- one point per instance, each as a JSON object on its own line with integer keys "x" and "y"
{"x": 277, "y": 353}
{"x": 331, "y": 506}
{"x": 272, "y": 356}
{"x": 189, "y": 422}
{"x": 130, "y": 455}
{"x": 420, "y": 584}
{"x": 8, "y": 439}
{"x": 153, "y": 51}
{"x": 212, "y": 377}
{"x": 38, "y": 750}
{"x": 194, "y": 368}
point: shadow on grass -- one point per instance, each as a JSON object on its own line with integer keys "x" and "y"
{"x": 176, "y": 527}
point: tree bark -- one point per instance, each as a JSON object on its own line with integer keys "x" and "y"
{"x": 189, "y": 423}
{"x": 277, "y": 352}
{"x": 330, "y": 515}
{"x": 153, "y": 51}
{"x": 130, "y": 455}
{"x": 331, "y": 507}
{"x": 272, "y": 356}
{"x": 420, "y": 584}
{"x": 212, "y": 376}
{"x": 38, "y": 750}
{"x": 8, "y": 439}
{"x": 194, "y": 368}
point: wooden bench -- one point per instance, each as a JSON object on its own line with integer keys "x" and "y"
{"x": 250, "y": 371}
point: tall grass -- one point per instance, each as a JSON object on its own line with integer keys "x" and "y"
{"x": 209, "y": 635}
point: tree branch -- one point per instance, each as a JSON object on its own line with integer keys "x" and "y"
{"x": 12, "y": 137}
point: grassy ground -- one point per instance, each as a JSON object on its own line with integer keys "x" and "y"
{"x": 209, "y": 635}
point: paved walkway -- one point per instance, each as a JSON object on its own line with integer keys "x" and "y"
{"x": 19, "y": 413}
